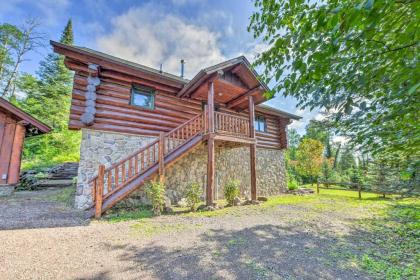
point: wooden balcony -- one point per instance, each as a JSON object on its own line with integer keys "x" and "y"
{"x": 229, "y": 127}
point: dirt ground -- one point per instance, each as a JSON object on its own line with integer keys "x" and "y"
{"x": 46, "y": 239}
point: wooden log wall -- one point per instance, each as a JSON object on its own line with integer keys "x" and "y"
{"x": 12, "y": 135}
{"x": 113, "y": 109}
{"x": 114, "y": 112}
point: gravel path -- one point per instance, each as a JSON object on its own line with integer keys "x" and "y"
{"x": 253, "y": 242}
{"x": 38, "y": 209}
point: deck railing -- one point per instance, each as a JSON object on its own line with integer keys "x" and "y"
{"x": 232, "y": 125}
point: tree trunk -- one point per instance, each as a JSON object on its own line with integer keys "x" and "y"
{"x": 336, "y": 156}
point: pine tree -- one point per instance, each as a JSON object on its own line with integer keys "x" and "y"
{"x": 383, "y": 177}
{"x": 52, "y": 70}
{"x": 328, "y": 149}
{"x": 48, "y": 99}
{"x": 67, "y": 36}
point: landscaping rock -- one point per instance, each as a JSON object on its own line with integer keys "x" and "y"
{"x": 251, "y": 202}
{"x": 202, "y": 207}
{"x": 236, "y": 201}
{"x": 168, "y": 210}
{"x": 302, "y": 191}
{"x": 183, "y": 202}
{"x": 168, "y": 202}
{"x": 209, "y": 208}
{"x": 57, "y": 176}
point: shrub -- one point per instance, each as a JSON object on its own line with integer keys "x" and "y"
{"x": 231, "y": 191}
{"x": 155, "y": 191}
{"x": 292, "y": 184}
{"x": 193, "y": 196}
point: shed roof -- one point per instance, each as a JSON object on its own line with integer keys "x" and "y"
{"x": 22, "y": 116}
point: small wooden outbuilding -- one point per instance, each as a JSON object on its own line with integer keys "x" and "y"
{"x": 15, "y": 125}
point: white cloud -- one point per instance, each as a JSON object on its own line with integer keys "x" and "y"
{"x": 254, "y": 50}
{"x": 298, "y": 125}
{"x": 150, "y": 36}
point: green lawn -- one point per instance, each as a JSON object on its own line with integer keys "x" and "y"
{"x": 387, "y": 230}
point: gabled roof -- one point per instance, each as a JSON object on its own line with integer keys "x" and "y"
{"x": 119, "y": 61}
{"x": 22, "y": 116}
{"x": 205, "y": 73}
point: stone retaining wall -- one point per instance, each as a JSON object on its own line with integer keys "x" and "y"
{"x": 100, "y": 147}
{"x": 231, "y": 163}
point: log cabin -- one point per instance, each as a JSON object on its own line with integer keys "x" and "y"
{"x": 140, "y": 123}
{"x": 15, "y": 125}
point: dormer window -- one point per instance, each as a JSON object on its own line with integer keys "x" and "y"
{"x": 143, "y": 97}
{"x": 260, "y": 124}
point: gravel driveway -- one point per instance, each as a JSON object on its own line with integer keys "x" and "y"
{"x": 38, "y": 209}
{"x": 250, "y": 242}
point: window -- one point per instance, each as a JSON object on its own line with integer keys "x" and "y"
{"x": 143, "y": 97}
{"x": 260, "y": 124}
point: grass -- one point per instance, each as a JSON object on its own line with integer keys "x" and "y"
{"x": 121, "y": 215}
{"x": 65, "y": 195}
{"x": 383, "y": 239}
{"x": 395, "y": 231}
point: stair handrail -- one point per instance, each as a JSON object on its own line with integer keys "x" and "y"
{"x": 183, "y": 132}
{"x": 147, "y": 146}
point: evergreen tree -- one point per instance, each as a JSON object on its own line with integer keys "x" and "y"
{"x": 52, "y": 70}
{"x": 382, "y": 177}
{"x": 328, "y": 149}
{"x": 48, "y": 99}
{"x": 67, "y": 36}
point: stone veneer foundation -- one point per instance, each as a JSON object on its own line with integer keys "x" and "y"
{"x": 99, "y": 147}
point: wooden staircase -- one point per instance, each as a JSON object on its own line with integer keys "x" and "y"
{"x": 118, "y": 181}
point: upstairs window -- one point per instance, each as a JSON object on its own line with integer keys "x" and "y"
{"x": 260, "y": 124}
{"x": 143, "y": 97}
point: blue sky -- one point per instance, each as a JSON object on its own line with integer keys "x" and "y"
{"x": 151, "y": 32}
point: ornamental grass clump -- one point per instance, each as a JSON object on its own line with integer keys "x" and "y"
{"x": 155, "y": 192}
{"x": 231, "y": 191}
{"x": 193, "y": 196}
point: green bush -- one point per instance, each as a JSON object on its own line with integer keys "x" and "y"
{"x": 231, "y": 191}
{"x": 292, "y": 184}
{"x": 50, "y": 149}
{"x": 155, "y": 191}
{"x": 193, "y": 196}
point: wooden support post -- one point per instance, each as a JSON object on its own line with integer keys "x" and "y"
{"x": 161, "y": 157}
{"x": 99, "y": 191}
{"x": 210, "y": 107}
{"x": 15, "y": 157}
{"x": 253, "y": 148}
{"x": 210, "y": 171}
{"x": 359, "y": 189}
{"x": 205, "y": 119}
{"x": 210, "y": 146}
{"x": 317, "y": 187}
